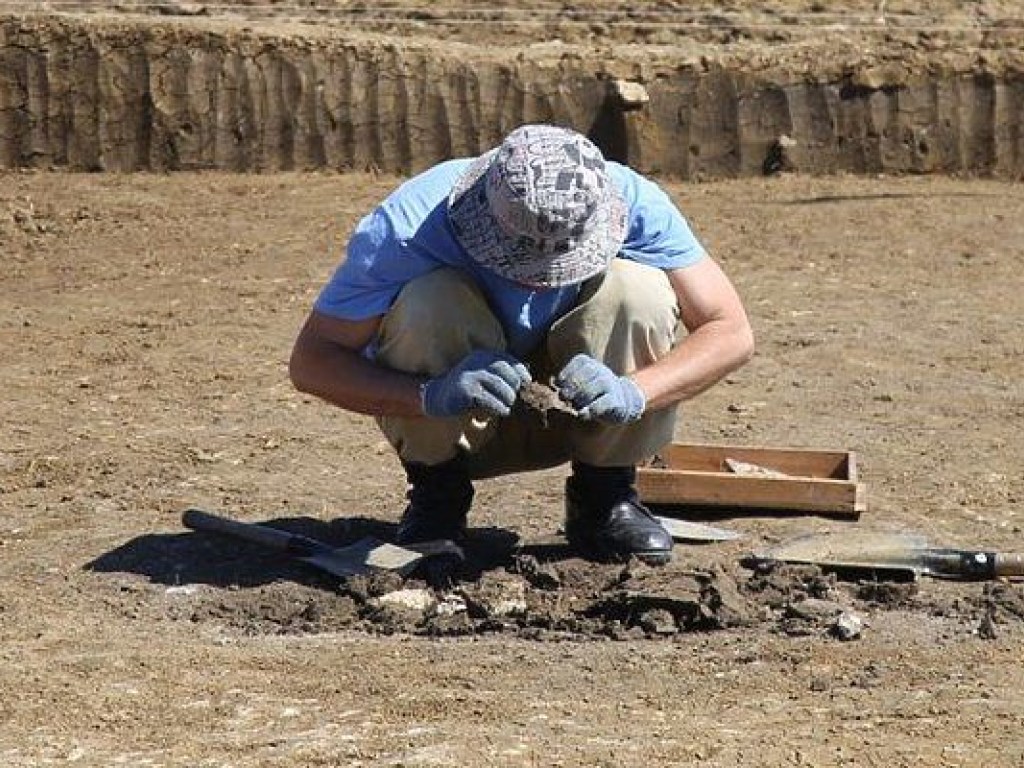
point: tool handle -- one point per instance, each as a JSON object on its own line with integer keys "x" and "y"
{"x": 1009, "y": 564}
{"x": 198, "y": 520}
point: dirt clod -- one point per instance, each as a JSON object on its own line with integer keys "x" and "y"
{"x": 544, "y": 400}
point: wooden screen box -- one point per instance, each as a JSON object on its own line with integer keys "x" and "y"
{"x": 793, "y": 479}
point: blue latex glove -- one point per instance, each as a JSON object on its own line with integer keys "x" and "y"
{"x": 489, "y": 381}
{"x": 597, "y": 392}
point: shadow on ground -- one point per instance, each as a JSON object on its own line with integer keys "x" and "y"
{"x": 221, "y": 560}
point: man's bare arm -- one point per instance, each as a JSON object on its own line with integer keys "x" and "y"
{"x": 326, "y": 361}
{"x": 720, "y": 339}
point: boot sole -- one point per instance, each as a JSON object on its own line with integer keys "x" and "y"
{"x": 654, "y": 558}
{"x": 604, "y": 555}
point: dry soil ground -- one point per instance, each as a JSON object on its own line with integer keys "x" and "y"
{"x": 146, "y": 322}
{"x": 600, "y": 22}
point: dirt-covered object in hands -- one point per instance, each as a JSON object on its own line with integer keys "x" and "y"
{"x": 543, "y": 400}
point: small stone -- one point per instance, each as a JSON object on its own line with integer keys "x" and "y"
{"x": 450, "y": 605}
{"x": 659, "y": 622}
{"x": 848, "y": 626}
{"x": 417, "y": 600}
{"x": 631, "y": 95}
{"x": 183, "y": 589}
{"x": 987, "y": 629}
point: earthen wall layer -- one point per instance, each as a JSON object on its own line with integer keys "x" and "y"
{"x": 81, "y": 95}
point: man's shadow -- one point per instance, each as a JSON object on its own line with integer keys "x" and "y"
{"x": 200, "y": 557}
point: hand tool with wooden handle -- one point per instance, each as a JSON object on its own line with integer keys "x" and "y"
{"x": 902, "y": 554}
{"x": 362, "y": 556}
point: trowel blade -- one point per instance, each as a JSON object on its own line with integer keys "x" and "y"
{"x": 903, "y": 554}
{"x": 684, "y": 530}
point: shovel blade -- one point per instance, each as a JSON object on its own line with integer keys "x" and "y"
{"x": 405, "y": 558}
{"x": 903, "y": 555}
{"x": 369, "y": 554}
{"x": 344, "y": 561}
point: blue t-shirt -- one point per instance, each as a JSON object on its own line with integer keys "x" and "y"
{"x": 408, "y": 235}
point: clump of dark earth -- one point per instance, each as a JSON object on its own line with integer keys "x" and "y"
{"x": 544, "y": 401}
{"x": 887, "y": 594}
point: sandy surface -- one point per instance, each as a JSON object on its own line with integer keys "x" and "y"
{"x": 588, "y": 22}
{"x": 146, "y": 322}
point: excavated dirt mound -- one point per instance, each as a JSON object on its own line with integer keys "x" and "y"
{"x": 535, "y": 590}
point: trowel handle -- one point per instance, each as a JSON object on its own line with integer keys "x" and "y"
{"x": 198, "y": 520}
{"x": 1009, "y": 564}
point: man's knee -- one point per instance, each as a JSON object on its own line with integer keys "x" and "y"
{"x": 437, "y": 300}
{"x": 630, "y": 320}
{"x": 436, "y": 320}
{"x": 644, "y": 296}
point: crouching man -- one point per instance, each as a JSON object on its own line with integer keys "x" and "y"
{"x": 541, "y": 261}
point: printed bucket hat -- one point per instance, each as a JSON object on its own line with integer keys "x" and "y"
{"x": 540, "y": 209}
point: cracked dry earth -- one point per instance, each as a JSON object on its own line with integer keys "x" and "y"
{"x": 146, "y": 325}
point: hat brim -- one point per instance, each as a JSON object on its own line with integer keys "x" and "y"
{"x": 483, "y": 239}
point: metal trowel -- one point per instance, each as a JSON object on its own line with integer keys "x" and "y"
{"x": 903, "y": 556}
{"x": 363, "y": 556}
{"x": 684, "y": 530}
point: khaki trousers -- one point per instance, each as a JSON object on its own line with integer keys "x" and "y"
{"x": 627, "y": 317}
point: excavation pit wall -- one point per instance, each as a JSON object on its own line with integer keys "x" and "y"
{"x": 88, "y": 95}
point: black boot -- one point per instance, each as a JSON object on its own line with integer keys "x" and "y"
{"x": 605, "y": 520}
{"x": 439, "y": 499}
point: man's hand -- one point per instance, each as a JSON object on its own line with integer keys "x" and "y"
{"x": 598, "y": 393}
{"x": 489, "y": 381}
